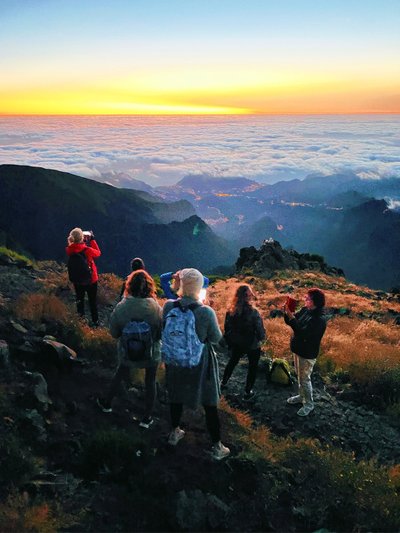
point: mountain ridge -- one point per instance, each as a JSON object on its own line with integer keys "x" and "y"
{"x": 38, "y": 208}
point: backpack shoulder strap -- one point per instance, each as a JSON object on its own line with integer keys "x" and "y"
{"x": 194, "y": 306}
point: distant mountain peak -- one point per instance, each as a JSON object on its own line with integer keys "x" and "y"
{"x": 271, "y": 257}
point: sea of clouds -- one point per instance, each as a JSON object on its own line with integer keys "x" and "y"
{"x": 162, "y": 150}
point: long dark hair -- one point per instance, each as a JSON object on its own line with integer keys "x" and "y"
{"x": 241, "y": 302}
{"x": 140, "y": 284}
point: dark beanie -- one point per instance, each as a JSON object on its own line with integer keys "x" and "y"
{"x": 137, "y": 264}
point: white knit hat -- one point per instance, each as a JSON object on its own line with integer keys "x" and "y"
{"x": 191, "y": 282}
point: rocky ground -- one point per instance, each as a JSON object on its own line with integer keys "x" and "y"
{"x": 335, "y": 420}
{"x": 49, "y": 399}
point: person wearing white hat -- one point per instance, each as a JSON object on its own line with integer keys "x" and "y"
{"x": 198, "y": 385}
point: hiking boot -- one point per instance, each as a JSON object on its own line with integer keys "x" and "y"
{"x": 294, "y": 399}
{"x": 175, "y": 436}
{"x": 219, "y": 451}
{"x": 146, "y": 422}
{"x": 104, "y": 406}
{"x": 305, "y": 410}
{"x": 249, "y": 395}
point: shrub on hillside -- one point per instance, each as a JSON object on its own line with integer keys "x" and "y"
{"x": 330, "y": 489}
{"x": 38, "y": 307}
{"x": 17, "y": 513}
{"x": 113, "y": 453}
{"x": 98, "y": 344}
{"x": 320, "y": 486}
{"x": 53, "y": 276}
{"x": 109, "y": 289}
{"x": 373, "y": 363}
{"x": 14, "y": 256}
{"x": 17, "y": 465}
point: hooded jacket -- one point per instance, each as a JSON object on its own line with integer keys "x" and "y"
{"x": 92, "y": 251}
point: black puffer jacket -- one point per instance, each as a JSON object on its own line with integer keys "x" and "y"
{"x": 244, "y": 331}
{"x": 308, "y": 329}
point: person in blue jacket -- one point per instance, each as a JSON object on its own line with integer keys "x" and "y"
{"x": 170, "y": 283}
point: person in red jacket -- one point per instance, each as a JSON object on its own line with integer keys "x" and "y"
{"x": 78, "y": 243}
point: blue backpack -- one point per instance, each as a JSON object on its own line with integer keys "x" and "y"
{"x": 137, "y": 341}
{"x": 180, "y": 344}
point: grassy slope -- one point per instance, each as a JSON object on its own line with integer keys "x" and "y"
{"x": 269, "y": 482}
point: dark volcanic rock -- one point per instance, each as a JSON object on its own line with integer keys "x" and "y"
{"x": 271, "y": 257}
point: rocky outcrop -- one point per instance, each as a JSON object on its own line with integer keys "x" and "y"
{"x": 271, "y": 257}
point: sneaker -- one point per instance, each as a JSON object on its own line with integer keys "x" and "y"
{"x": 249, "y": 395}
{"x": 219, "y": 451}
{"x": 305, "y": 410}
{"x": 104, "y": 406}
{"x": 175, "y": 436}
{"x": 146, "y": 422}
{"x": 294, "y": 399}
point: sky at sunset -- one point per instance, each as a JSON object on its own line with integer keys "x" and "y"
{"x": 199, "y": 56}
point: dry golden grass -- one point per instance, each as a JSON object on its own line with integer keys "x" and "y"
{"x": 367, "y": 350}
{"x": 37, "y": 307}
{"x": 98, "y": 342}
{"x": 240, "y": 418}
{"x": 278, "y": 335}
{"x": 109, "y": 288}
{"x": 366, "y": 345}
{"x": 52, "y": 277}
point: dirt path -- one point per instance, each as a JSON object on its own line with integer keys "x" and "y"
{"x": 352, "y": 427}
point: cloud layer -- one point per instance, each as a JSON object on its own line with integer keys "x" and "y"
{"x": 161, "y": 150}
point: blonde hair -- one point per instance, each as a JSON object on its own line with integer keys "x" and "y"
{"x": 75, "y": 236}
{"x": 191, "y": 283}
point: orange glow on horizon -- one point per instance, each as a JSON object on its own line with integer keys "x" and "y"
{"x": 258, "y": 94}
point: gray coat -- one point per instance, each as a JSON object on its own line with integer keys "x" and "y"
{"x": 146, "y": 309}
{"x": 198, "y": 385}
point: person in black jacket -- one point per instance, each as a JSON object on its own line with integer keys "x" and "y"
{"x": 308, "y": 326}
{"x": 136, "y": 264}
{"x": 244, "y": 331}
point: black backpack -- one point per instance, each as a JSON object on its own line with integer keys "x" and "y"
{"x": 79, "y": 271}
{"x": 240, "y": 331}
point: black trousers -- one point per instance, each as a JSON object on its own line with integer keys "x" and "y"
{"x": 123, "y": 374}
{"x": 212, "y": 419}
{"x": 91, "y": 291}
{"x": 236, "y": 354}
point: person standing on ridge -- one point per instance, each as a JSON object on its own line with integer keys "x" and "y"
{"x": 308, "y": 327}
{"x": 170, "y": 285}
{"x": 82, "y": 250}
{"x": 136, "y": 264}
{"x": 244, "y": 331}
{"x": 138, "y": 306}
{"x": 196, "y": 383}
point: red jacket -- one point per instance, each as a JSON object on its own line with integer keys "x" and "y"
{"x": 91, "y": 252}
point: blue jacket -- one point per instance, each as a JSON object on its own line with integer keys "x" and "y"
{"x": 165, "y": 280}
